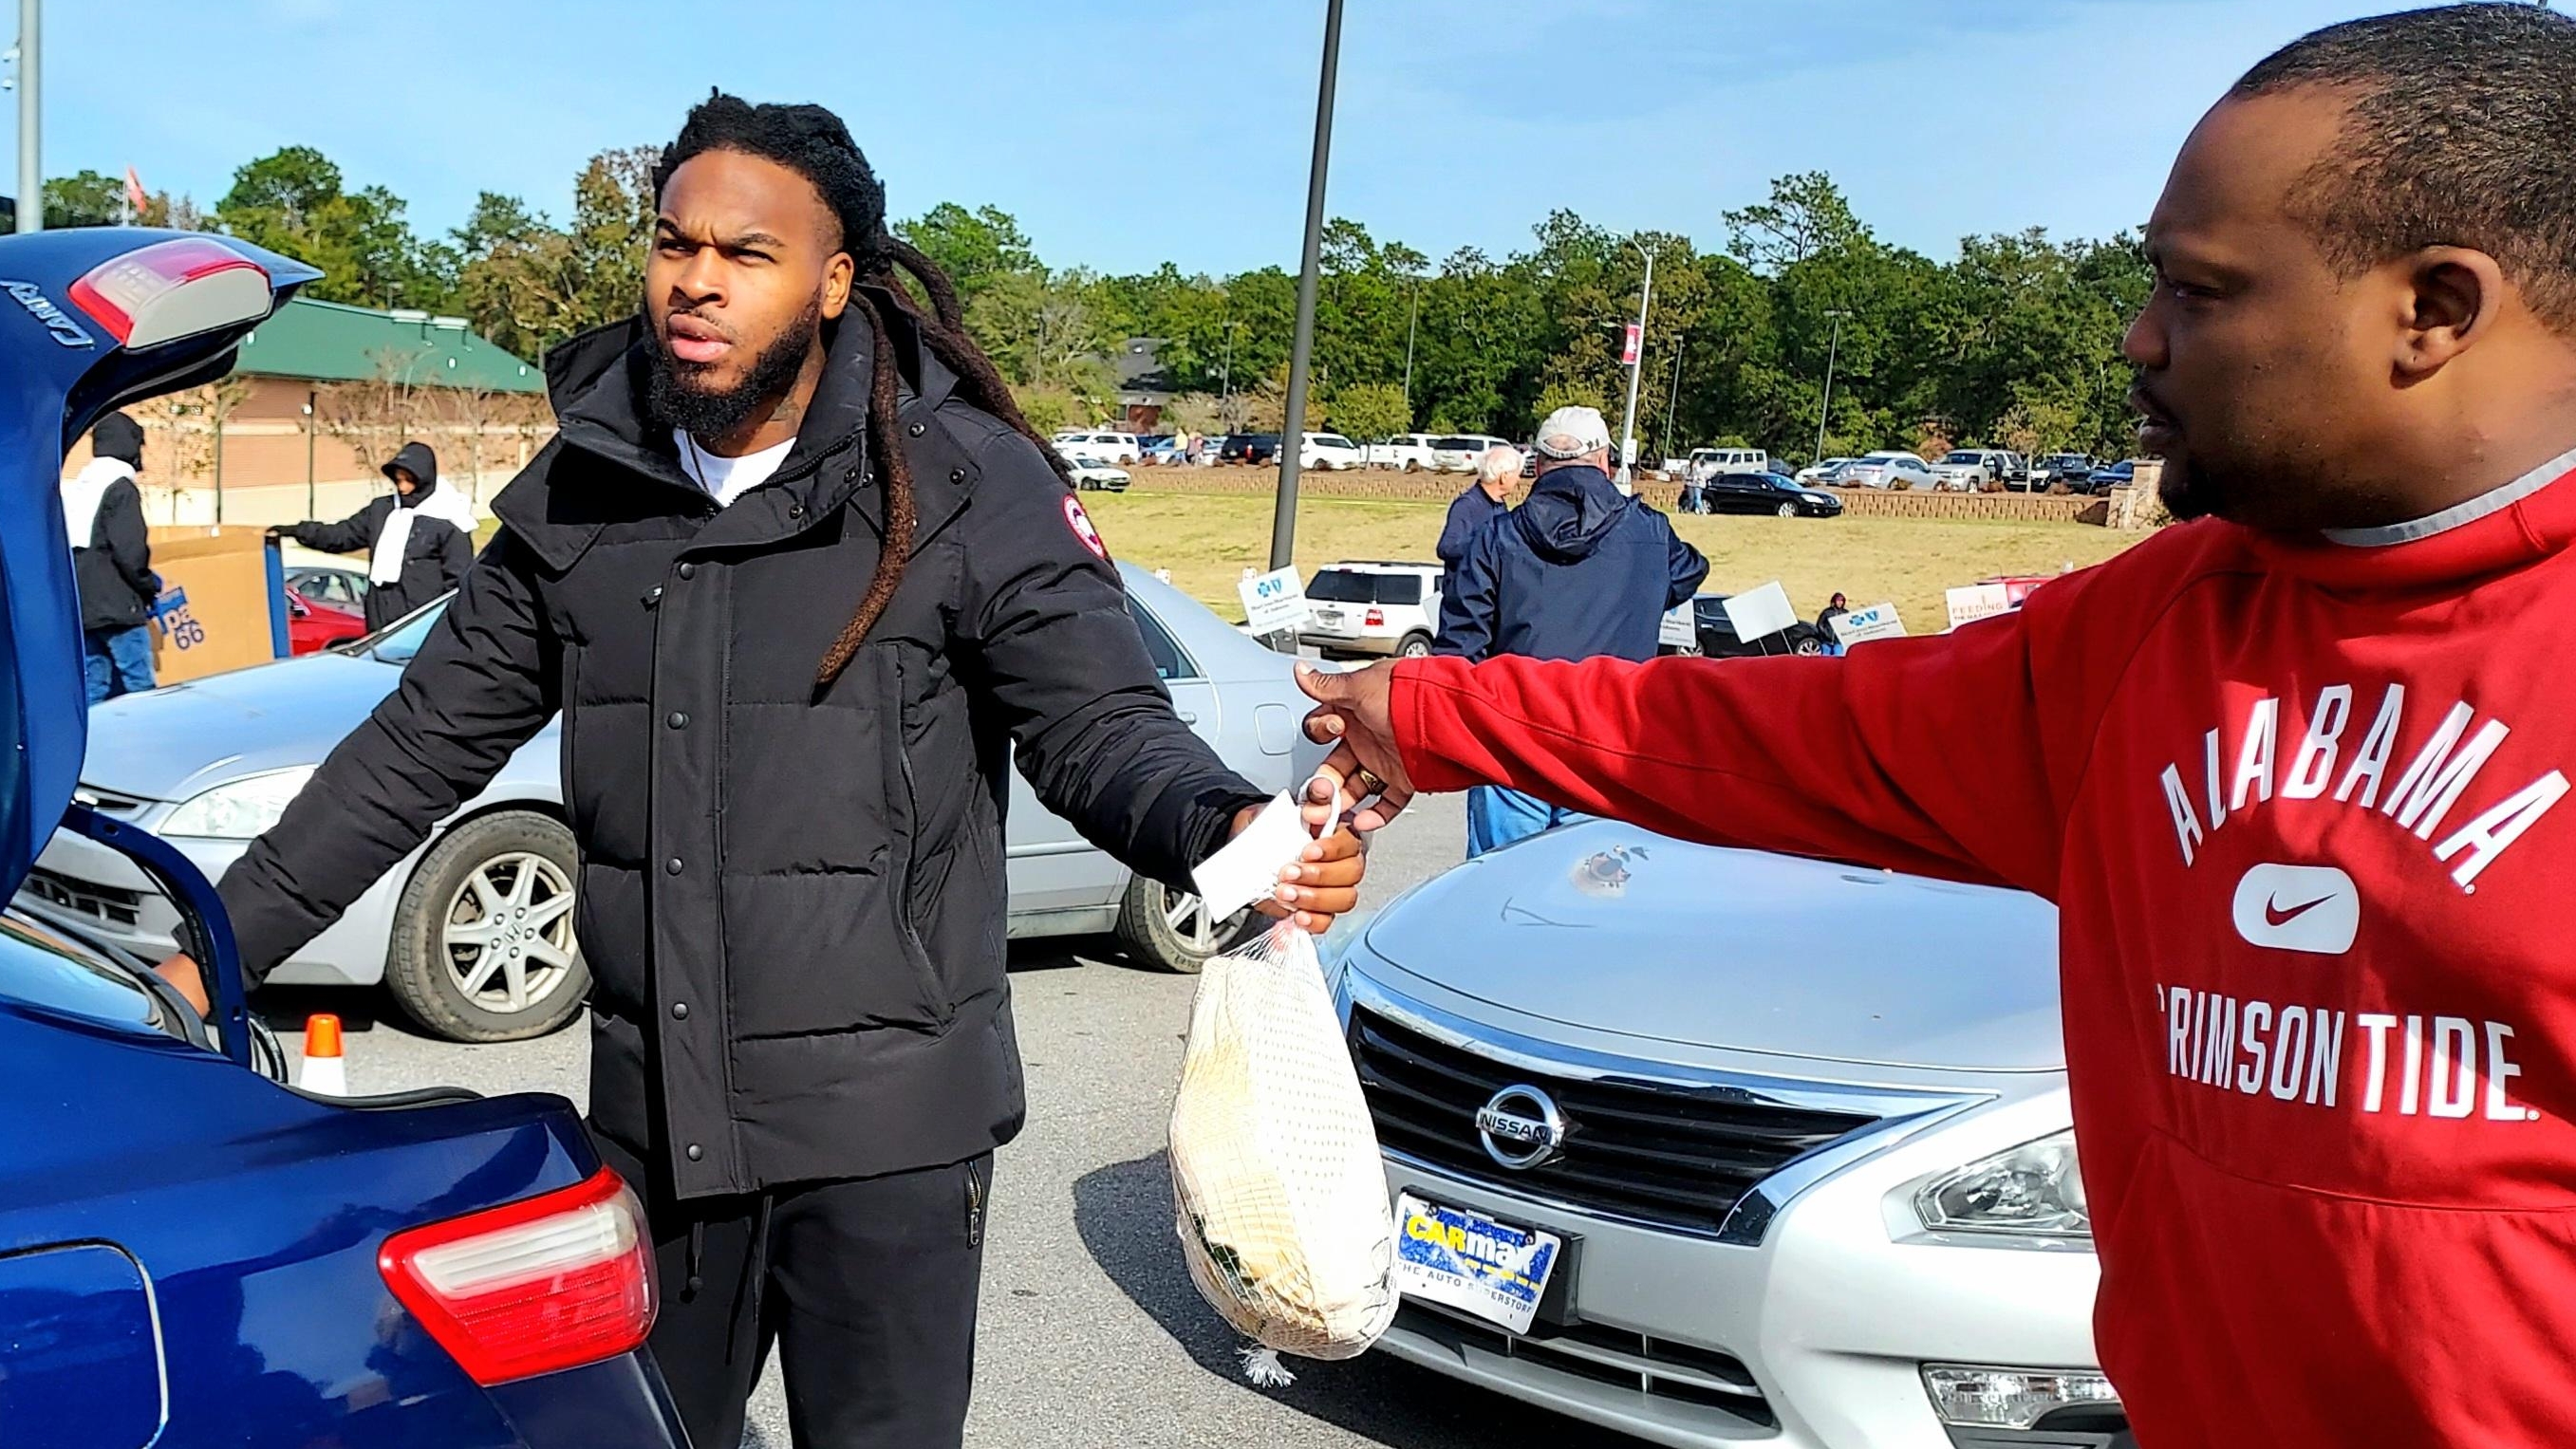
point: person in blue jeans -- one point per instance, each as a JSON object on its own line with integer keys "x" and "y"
{"x": 1579, "y": 569}
{"x": 112, "y": 561}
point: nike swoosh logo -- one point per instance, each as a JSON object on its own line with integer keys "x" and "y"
{"x": 2273, "y": 915}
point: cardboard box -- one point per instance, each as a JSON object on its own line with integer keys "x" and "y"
{"x": 222, "y": 605}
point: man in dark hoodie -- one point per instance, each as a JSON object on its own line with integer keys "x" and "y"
{"x": 1579, "y": 569}
{"x": 112, "y": 561}
{"x": 419, "y": 539}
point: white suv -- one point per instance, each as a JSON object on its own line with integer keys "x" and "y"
{"x": 1458, "y": 452}
{"x": 1373, "y": 608}
{"x": 1330, "y": 451}
{"x": 1709, "y": 462}
{"x": 1413, "y": 452}
{"x": 1969, "y": 470}
{"x": 1108, "y": 447}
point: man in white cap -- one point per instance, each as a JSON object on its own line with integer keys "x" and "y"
{"x": 1579, "y": 570}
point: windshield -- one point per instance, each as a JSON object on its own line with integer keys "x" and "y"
{"x": 1964, "y": 458}
{"x": 397, "y": 644}
{"x": 1349, "y": 586}
{"x": 1456, "y": 445}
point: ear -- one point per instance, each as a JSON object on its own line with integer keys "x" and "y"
{"x": 838, "y": 276}
{"x": 2453, "y": 298}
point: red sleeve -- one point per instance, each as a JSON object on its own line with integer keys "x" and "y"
{"x": 1946, "y": 756}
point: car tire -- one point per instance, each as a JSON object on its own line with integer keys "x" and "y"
{"x": 1168, "y": 929}
{"x": 452, "y": 954}
{"x": 1788, "y": 510}
{"x": 1410, "y": 466}
{"x": 1807, "y": 644}
{"x": 1414, "y": 646}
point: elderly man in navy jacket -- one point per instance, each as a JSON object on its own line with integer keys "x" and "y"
{"x": 1470, "y": 511}
{"x": 1578, "y": 569}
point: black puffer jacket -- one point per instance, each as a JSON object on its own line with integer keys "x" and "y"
{"x": 435, "y": 556}
{"x": 792, "y": 900}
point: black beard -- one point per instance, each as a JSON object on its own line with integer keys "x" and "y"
{"x": 678, "y": 403}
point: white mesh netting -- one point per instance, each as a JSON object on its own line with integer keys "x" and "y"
{"x": 1282, "y": 1199}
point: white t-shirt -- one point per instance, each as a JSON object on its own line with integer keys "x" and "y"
{"x": 727, "y": 479}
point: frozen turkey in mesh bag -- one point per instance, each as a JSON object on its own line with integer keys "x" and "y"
{"x": 1282, "y": 1199}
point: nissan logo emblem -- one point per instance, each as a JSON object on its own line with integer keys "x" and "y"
{"x": 1521, "y": 1128}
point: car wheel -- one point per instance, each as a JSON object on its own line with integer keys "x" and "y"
{"x": 483, "y": 947}
{"x": 1415, "y": 646}
{"x": 1788, "y": 510}
{"x": 1807, "y": 644}
{"x": 1410, "y": 466}
{"x": 1169, "y": 930}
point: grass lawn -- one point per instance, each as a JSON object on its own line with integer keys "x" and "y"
{"x": 1205, "y": 540}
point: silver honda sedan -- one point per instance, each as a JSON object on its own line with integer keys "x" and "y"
{"x": 1723, "y": 1148}
{"x": 210, "y": 764}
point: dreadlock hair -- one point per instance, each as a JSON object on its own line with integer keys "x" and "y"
{"x": 812, "y": 142}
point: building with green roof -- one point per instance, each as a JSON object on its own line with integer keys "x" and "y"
{"x": 321, "y": 395}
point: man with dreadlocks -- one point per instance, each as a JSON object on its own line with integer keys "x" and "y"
{"x": 798, "y": 577}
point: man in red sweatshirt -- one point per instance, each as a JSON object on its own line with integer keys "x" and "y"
{"x": 2293, "y": 773}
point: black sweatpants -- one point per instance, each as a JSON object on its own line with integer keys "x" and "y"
{"x": 867, "y": 1286}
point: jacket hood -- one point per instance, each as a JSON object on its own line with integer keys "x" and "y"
{"x": 120, "y": 437}
{"x": 417, "y": 460}
{"x": 1569, "y": 511}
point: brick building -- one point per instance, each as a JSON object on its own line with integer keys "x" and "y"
{"x": 322, "y": 394}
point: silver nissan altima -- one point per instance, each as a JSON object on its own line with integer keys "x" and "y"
{"x": 210, "y": 764}
{"x": 1723, "y": 1148}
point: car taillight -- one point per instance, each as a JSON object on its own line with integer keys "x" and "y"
{"x": 547, "y": 1283}
{"x": 1377, "y": 618}
{"x": 173, "y": 289}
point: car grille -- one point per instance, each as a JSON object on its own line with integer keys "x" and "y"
{"x": 1659, "y": 1368}
{"x": 1661, "y": 1155}
{"x": 111, "y": 904}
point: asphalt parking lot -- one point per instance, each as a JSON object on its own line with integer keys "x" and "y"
{"x": 1092, "y": 1335}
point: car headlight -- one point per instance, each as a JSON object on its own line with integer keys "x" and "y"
{"x": 2034, "y": 1190}
{"x": 238, "y": 810}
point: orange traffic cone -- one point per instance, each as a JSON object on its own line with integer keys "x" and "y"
{"x": 325, "y": 1071}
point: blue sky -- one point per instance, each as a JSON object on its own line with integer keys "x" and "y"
{"x": 1125, "y": 134}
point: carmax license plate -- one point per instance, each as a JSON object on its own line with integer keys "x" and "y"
{"x": 1472, "y": 1263}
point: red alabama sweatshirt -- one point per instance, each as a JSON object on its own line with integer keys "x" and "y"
{"x": 2299, "y": 804}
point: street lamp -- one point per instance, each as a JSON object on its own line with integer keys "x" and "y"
{"x": 1412, "y": 320}
{"x": 1628, "y": 423}
{"x": 1225, "y": 378}
{"x": 1826, "y": 407}
{"x": 31, "y": 165}
{"x": 1283, "y": 517}
{"x": 1672, "y": 399}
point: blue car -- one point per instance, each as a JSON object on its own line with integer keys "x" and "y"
{"x": 193, "y": 1253}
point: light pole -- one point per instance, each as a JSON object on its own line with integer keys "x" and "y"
{"x": 1225, "y": 378}
{"x": 1672, "y": 399}
{"x": 1411, "y": 320}
{"x": 1825, "y": 409}
{"x": 31, "y": 164}
{"x": 1628, "y": 424}
{"x": 1283, "y": 519}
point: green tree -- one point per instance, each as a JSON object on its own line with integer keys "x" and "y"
{"x": 1368, "y": 411}
{"x": 84, "y": 198}
{"x": 292, "y": 201}
{"x": 973, "y": 247}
